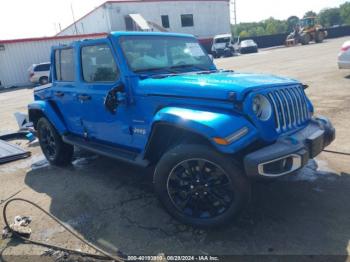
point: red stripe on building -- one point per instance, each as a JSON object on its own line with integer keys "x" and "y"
{"x": 10, "y": 41}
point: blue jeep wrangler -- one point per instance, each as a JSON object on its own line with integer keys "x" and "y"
{"x": 157, "y": 99}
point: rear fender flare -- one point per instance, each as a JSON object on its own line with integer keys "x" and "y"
{"x": 49, "y": 112}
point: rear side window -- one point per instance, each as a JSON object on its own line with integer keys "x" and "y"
{"x": 42, "y": 67}
{"x": 65, "y": 66}
{"x": 98, "y": 64}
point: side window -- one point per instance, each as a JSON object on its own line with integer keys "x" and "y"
{"x": 165, "y": 21}
{"x": 42, "y": 67}
{"x": 98, "y": 64}
{"x": 187, "y": 20}
{"x": 46, "y": 67}
{"x": 65, "y": 65}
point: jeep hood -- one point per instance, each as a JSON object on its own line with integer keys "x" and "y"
{"x": 210, "y": 86}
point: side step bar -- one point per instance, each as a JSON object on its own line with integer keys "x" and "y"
{"x": 106, "y": 150}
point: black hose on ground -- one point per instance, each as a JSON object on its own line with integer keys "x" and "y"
{"x": 105, "y": 256}
{"x": 337, "y": 152}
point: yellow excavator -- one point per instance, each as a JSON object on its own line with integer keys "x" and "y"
{"x": 305, "y": 31}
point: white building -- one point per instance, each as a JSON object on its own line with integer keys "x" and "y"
{"x": 202, "y": 18}
{"x": 17, "y": 55}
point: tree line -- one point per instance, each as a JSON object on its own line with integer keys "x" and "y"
{"x": 327, "y": 17}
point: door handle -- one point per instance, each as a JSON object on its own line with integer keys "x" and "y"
{"x": 59, "y": 94}
{"x": 84, "y": 97}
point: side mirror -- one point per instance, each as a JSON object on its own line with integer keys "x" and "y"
{"x": 211, "y": 57}
{"x": 114, "y": 97}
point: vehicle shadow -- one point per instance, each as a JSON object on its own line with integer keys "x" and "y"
{"x": 113, "y": 206}
{"x": 10, "y": 89}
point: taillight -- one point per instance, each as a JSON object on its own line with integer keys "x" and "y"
{"x": 345, "y": 48}
{"x": 31, "y": 74}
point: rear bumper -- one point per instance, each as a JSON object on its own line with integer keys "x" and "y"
{"x": 343, "y": 65}
{"x": 246, "y": 50}
{"x": 34, "y": 79}
{"x": 344, "y": 60}
{"x": 290, "y": 153}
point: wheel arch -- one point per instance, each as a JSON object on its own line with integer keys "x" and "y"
{"x": 39, "y": 109}
{"x": 172, "y": 125}
{"x": 165, "y": 135}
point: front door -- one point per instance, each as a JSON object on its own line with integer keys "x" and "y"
{"x": 99, "y": 75}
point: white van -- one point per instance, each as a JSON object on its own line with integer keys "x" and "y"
{"x": 39, "y": 73}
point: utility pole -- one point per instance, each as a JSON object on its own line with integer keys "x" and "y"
{"x": 234, "y": 11}
{"x": 75, "y": 25}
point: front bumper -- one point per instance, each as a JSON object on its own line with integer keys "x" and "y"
{"x": 290, "y": 153}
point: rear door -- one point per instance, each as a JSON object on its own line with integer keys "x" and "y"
{"x": 65, "y": 88}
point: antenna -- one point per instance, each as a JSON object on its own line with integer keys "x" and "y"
{"x": 75, "y": 25}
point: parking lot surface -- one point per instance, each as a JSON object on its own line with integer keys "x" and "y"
{"x": 112, "y": 204}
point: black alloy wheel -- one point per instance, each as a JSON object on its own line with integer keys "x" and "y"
{"x": 200, "y": 188}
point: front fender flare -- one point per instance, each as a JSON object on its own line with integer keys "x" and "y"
{"x": 49, "y": 112}
{"x": 209, "y": 125}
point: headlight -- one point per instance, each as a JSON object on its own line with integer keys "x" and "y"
{"x": 262, "y": 107}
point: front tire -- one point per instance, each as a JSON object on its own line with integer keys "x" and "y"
{"x": 199, "y": 186}
{"x": 305, "y": 39}
{"x": 55, "y": 150}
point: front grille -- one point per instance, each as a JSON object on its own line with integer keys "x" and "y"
{"x": 290, "y": 107}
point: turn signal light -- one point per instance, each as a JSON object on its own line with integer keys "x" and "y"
{"x": 220, "y": 141}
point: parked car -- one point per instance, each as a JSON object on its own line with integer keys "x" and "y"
{"x": 39, "y": 73}
{"x": 344, "y": 56}
{"x": 248, "y": 46}
{"x": 157, "y": 99}
{"x": 222, "y": 46}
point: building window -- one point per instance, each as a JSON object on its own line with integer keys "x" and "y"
{"x": 129, "y": 24}
{"x": 64, "y": 64}
{"x": 186, "y": 20}
{"x": 98, "y": 64}
{"x": 165, "y": 21}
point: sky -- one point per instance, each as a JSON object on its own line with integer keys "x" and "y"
{"x": 36, "y": 18}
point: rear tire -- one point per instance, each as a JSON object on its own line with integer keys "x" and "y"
{"x": 55, "y": 150}
{"x": 319, "y": 37}
{"x": 200, "y": 186}
{"x": 43, "y": 80}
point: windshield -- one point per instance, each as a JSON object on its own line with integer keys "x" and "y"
{"x": 308, "y": 22}
{"x": 222, "y": 40}
{"x": 164, "y": 53}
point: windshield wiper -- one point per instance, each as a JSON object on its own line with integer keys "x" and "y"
{"x": 202, "y": 69}
{"x": 167, "y": 69}
{"x": 171, "y": 71}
